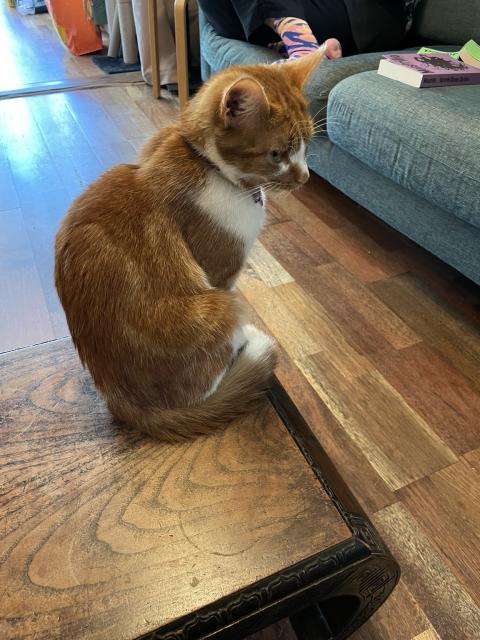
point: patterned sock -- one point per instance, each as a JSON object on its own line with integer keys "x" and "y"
{"x": 295, "y": 34}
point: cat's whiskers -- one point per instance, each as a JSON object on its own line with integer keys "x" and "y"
{"x": 251, "y": 191}
{"x": 319, "y": 111}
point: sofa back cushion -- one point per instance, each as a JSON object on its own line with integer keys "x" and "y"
{"x": 447, "y": 21}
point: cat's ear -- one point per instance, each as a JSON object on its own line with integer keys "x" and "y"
{"x": 243, "y": 99}
{"x": 299, "y": 70}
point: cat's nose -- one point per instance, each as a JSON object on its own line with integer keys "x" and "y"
{"x": 301, "y": 173}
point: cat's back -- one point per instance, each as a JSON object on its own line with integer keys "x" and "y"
{"x": 120, "y": 231}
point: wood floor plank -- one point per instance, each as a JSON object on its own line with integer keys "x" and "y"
{"x": 347, "y": 236}
{"x": 8, "y": 194}
{"x": 473, "y": 458}
{"x": 275, "y": 213}
{"x": 388, "y": 324}
{"x": 97, "y": 127}
{"x": 264, "y": 265}
{"x": 63, "y": 138}
{"x": 441, "y": 596}
{"x": 56, "y": 122}
{"x": 289, "y": 329}
{"x": 287, "y": 206}
{"x": 347, "y": 251}
{"x": 329, "y": 340}
{"x": 398, "y": 443}
{"x": 442, "y": 328}
{"x": 293, "y": 248}
{"x": 449, "y": 287}
{"x": 42, "y": 217}
{"x": 369, "y": 488}
{"x": 161, "y": 112}
{"x": 132, "y": 122}
{"x": 115, "y": 153}
{"x": 399, "y": 618}
{"x": 301, "y": 325}
{"x": 447, "y": 506}
{"x": 30, "y": 161}
{"x": 367, "y": 323}
{"x": 24, "y": 317}
{"x": 435, "y": 390}
{"x": 429, "y": 634}
{"x": 138, "y": 143}
{"x": 324, "y": 201}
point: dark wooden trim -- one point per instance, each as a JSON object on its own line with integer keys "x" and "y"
{"x": 331, "y": 593}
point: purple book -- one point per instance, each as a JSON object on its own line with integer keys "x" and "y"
{"x": 428, "y": 70}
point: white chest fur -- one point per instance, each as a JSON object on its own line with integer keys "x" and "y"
{"x": 232, "y": 209}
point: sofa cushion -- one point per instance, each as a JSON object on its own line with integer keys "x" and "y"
{"x": 426, "y": 140}
{"x": 446, "y": 21}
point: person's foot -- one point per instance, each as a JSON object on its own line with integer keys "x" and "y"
{"x": 333, "y": 48}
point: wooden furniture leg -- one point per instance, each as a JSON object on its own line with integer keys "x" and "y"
{"x": 181, "y": 45}
{"x": 154, "y": 53}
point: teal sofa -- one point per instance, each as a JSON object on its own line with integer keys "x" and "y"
{"x": 410, "y": 156}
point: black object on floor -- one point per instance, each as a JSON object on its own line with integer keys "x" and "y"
{"x": 114, "y": 65}
{"x": 194, "y": 83}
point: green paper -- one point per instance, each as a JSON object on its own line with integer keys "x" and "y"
{"x": 473, "y": 49}
{"x": 453, "y": 54}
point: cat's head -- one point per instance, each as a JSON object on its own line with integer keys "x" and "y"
{"x": 253, "y": 122}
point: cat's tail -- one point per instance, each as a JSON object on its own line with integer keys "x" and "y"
{"x": 241, "y": 391}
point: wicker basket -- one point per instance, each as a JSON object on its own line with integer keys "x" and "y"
{"x": 12, "y": 3}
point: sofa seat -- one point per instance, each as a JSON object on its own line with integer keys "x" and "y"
{"x": 426, "y": 140}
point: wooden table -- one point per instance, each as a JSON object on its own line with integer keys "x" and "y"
{"x": 108, "y": 534}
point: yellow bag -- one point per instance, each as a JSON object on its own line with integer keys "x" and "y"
{"x": 77, "y": 32}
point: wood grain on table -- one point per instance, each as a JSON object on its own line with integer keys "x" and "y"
{"x": 106, "y": 533}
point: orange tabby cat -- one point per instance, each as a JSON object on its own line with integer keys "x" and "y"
{"x": 147, "y": 257}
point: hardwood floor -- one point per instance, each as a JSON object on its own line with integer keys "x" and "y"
{"x": 379, "y": 341}
{"x": 51, "y": 147}
{"x": 32, "y": 53}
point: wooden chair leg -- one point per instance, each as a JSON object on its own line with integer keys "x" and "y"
{"x": 154, "y": 52}
{"x": 181, "y": 45}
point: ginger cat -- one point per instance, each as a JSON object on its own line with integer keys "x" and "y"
{"x": 147, "y": 257}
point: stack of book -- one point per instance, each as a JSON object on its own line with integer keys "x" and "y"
{"x": 432, "y": 68}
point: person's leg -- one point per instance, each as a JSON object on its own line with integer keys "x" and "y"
{"x": 298, "y": 39}
{"x": 223, "y": 18}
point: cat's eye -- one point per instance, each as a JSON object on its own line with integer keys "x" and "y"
{"x": 276, "y": 155}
